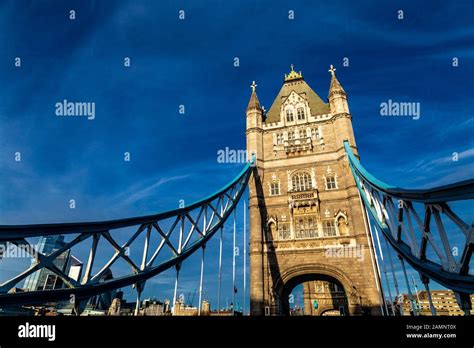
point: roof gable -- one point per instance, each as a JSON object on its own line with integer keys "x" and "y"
{"x": 316, "y": 104}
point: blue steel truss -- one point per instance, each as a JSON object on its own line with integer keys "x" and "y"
{"x": 393, "y": 210}
{"x": 195, "y": 224}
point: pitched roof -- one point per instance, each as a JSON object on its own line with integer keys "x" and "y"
{"x": 316, "y": 104}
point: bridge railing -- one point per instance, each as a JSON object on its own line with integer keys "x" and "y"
{"x": 421, "y": 225}
{"x": 180, "y": 232}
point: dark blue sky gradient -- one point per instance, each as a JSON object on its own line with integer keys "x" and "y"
{"x": 190, "y": 62}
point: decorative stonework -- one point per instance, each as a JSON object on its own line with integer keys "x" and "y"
{"x": 293, "y": 75}
{"x": 299, "y": 224}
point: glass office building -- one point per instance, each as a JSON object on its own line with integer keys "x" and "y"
{"x": 45, "y": 279}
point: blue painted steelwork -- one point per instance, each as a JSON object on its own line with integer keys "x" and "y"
{"x": 221, "y": 204}
{"x": 378, "y": 198}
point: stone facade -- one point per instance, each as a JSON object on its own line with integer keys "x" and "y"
{"x": 444, "y": 302}
{"x": 324, "y": 298}
{"x": 306, "y": 218}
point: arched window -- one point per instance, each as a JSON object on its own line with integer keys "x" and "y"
{"x": 301, "y": 181}
{"x": 289, "y": 115}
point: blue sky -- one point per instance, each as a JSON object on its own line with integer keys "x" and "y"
{"x": 190, "y": 62}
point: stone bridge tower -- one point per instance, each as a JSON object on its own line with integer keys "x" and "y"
{"x": 307, "y": 223}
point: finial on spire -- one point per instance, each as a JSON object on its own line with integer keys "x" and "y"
{"x": 335, "y": 86}
{"x": 253, "y": 86}
{"x": 253, "y": 102}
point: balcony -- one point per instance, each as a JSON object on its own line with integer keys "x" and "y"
{"x": 303, "y": 198}
{"x": 297, "y": 145}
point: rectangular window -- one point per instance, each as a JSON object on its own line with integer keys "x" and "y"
{"x": 289, "y": 115}
{"x": 279, "y": 139}
{"x": 283, "y": 231}
{"x": 302, "y": 133}
{"x": 50, "y": 282}
{"x": 274, "y": 189}
{"x": 300, "y": 113}
{"x": 306, "y": 227}
{"x": 315, "y": 133}
{"x": 291, "y": 135}
{"x": 330, "y": 183}
{"x": 329, "y": 228}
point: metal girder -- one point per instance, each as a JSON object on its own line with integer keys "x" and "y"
{"x": 399, "y": 230}
{"x": 202, "y": 229}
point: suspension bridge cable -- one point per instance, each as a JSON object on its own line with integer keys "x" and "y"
{"x": 416, "y": 292}
{"x": 425, "y": 281}
{"x": 384, "y": 270}
{"x": 245, "y": 254}
{"x": 395, "y": 283}
{"x": 371, "y": 246}
{"x": 175, "y": 289}
{"x": 201, "y": 279}
{"x": 410, "y": 294}
{"x": 178, "y": 266}
{"x": 233, "y": 266}
{"x": 202, "y": 261}
{"x": 219, "y": 276}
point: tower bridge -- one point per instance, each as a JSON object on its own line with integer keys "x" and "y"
{"x": 307, "y": 192}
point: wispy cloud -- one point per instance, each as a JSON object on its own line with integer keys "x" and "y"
{"x": 435, "y": 163}
{"x": 140, "y": 191}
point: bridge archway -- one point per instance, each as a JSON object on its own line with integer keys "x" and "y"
{"x": 296, "y": 275}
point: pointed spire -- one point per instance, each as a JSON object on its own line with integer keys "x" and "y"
{"x": 335, "y": 85}
{"x": 253, "y": 102}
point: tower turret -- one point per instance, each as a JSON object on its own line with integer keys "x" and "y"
{"x": 254, "y": 132}
{"x": 337, "y": 96}
{"x": 255, "y": 147}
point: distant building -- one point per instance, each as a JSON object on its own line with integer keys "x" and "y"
{"x": 151, "y": 307}
{"x": 120, "y": 306}
{"x": 324, "y": 298}
{"x": 444, "y": 302}
{"x": 75, "y": 268}
{"x": 115, "y": 307}
{"x": 45, "y": 279}
{"x": 103, "y": 301}
{"x": 181, "y": 309}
